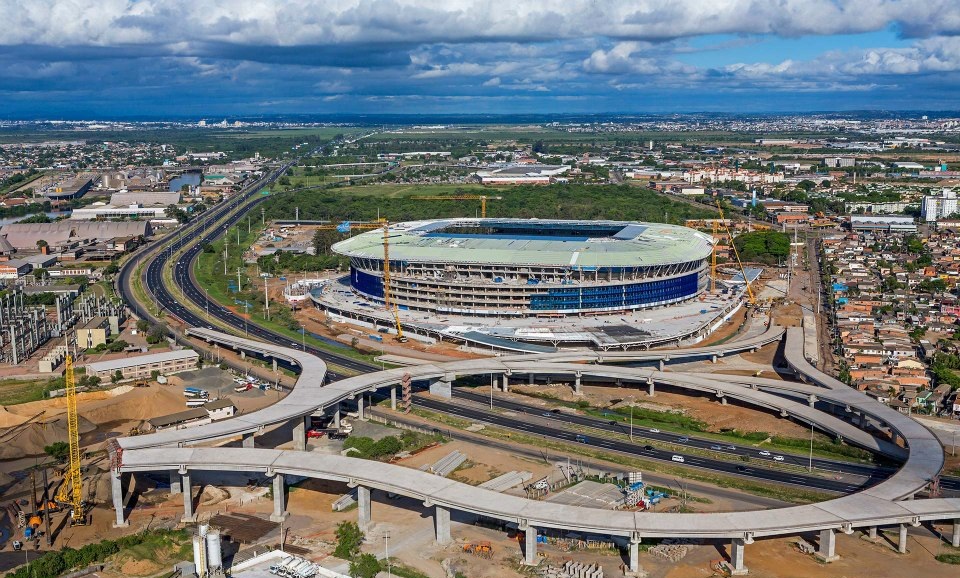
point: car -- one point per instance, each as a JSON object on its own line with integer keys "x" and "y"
{"x": 731, "y": 447}
{"x": 654, "y": 430}
{"x": 683, "y": 440}
{"x": 741, "y": 468}
{"x": 764, "y": 453}
{"x": 677, "y": 459}
{"x": 613, "y": 422}
{"x": 716, "y": 448}
{"x": 316, "y": 433}
{"x": 555, "y": 410}
{"x": 581, "y": 438}
{"x": 648, "y": 448}
{"x": 778, "y": 458}
{"x": 547, "y": 414}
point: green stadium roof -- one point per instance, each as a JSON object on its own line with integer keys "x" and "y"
{"x": 577, "y": 245}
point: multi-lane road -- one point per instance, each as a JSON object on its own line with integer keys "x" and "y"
{"x": 219, "y": 219}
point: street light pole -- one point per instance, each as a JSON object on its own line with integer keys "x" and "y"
{"x": 631, "y": 420}
{"x": 810, "y": 464}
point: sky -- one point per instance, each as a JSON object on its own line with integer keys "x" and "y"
{"x": 77, "y": 59}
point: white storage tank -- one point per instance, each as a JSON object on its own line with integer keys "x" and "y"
{"x": 214, "y": 551}
{"x": 198, "y": 563}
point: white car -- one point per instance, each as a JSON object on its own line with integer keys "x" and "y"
{"x": 677, "y": 459}
{"x": 654, "y": 430}
{"x": 764, "y": 453}
{"x": 778, "y": 458}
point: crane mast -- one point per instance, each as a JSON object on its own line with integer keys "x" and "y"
{"x": 391, "y": 307}
{"x": 71, "y": 491}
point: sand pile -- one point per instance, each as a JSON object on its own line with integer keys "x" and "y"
{"x": 137, "y": 404}
{"x": 31, "y": 439}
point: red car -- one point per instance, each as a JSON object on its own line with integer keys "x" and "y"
{"x": 316, "y": 433}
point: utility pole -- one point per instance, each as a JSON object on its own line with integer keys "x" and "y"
{"x": 238, "y": 279}
{"x": 266, "y": 302}
{"x": 263, "y": 216}
{"x": 225, "y": 257}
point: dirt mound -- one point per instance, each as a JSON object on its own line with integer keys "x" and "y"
{"x": 10, "y": 419}
{"x": 137, "y": 404}
{"x": 32, "y": 438}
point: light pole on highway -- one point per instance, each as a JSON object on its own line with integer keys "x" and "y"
{"x": 810, "y": 464}
{"x": 631, "y": 419}
{"x": 206, "y": 298}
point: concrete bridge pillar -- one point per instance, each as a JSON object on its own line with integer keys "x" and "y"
{"x": 634, "y": 554}
{"x": 441, "y": 519}
{"x": 650, "y": 388}
{"x": 243, "y": 354}
{"x": 737, "y": 550}
{"x": 577, "y": 388}
{"x": 116, "y": 487}
{"x": 955, "y": 537}
{"x": 336, "y": 416}
{"x": 299, "y": 434}
{"x": 872, "y": 534}
{"x": 248, "y": 440}
{"x": 279, "y": 499}
{"x": 360, "y": 400}
{"x": 530, "y": 546}
{"x": 661, "y": 365}
{"x": 902, "y": 539}
{"x": 532, "y": 379}
{"x": 812, "y": 400}
{"x": 274, "y": 364}
{"x": 827, "y": 548}
{"x": 188, "y": 514}
{"x": 363, "y": 506}
{"x": 175, "y": 487}
{"x": 393, "y": 397}
{"x": 713, "y": 358}
{"x": 505, "y": 382}
{"x": 443, "y": 387}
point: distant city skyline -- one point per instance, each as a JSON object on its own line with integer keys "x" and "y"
{"x": 116, "y": 59}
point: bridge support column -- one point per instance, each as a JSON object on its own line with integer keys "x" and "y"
{"x": 363, "y": 506}
{"x": 274, "y": 364}
{"x": 872, "y": 533}
{"x": 713, "y": 358}
{"x": 577, "y": 388}
{"x": 650, "y": 388}
{"x": 360, "y": 401}
{"x": 634, "y": 555}
{"x": 955, "y": 537}
{"x": 279, "y": 499}
{"x": 532, "y": 379}
{"x": 723, "y": 400}
{"x": 336, "y": 416}
{"x": 441, "y": 519}
{"x": 530, "y": 546}
{"x": 827, "y": 548}
{"x": 116, "y": 487}
{"x": 393, "y": 398}
{"x": 443, "y": 387}
{"x": 661, "y": 365}
{"x": 188, "y": 514}
{"x": 248, "y": 441}
{"x": 300, "y": 433}
{"x": 175, "y": 487}
{"x": 737, "y": 550}
{"x": 812, "y": 400}
{"x": 902, "y": 539}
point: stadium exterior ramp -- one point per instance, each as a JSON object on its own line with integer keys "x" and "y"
{"x": 880, "y": 505}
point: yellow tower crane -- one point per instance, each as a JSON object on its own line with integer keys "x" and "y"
{"x": 391, "y": 307}
{"x": 736, "y": 253}
{"x": 71, "y": 491}
{"x": 482, "y": 198}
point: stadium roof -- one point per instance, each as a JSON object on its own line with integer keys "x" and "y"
{"x": 536, "y": 242}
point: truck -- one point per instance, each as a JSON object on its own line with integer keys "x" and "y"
{"x": 243, "y": 387}
{"x": 195, "y": 392}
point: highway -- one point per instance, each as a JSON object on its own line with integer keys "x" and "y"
{"x": 197, "y": 235}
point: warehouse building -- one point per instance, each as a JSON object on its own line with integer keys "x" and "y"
{"x": 141, "y": 366}
{"x": 69, "y": 234}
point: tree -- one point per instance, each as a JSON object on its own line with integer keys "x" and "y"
{"x": 143, "y": 325}
{"x": 41, "y": 245}
{"x": 116, "y": 377}
{"x": 349, "y": 538}
{"x": 111, "y": 269}
{"x": 365, "y": 566}
{"x": 58, "y": 451}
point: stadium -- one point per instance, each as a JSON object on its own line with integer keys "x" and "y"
{"x": 530, "y": 267}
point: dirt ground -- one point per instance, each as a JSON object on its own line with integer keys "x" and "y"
{"x": 707, "y": 409}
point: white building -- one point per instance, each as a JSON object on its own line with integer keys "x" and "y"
{"x": 936, "y": 207}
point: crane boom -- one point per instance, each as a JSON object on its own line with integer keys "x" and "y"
{"x": 736, "y": 253}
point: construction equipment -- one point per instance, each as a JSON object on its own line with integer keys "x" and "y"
{"x": 736, "y": 253}
{"x": 482, "y": 198}
{"x": 71, "y": 491}
{"x": 391, "y": 307}
{"x": 481, "y": 549}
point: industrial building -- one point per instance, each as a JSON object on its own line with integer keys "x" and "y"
{"x": 522, "y": 267}
{"x": 64, "y": 235}
{"x": 142, "y": 366}
{"x": 889, "y": 224}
